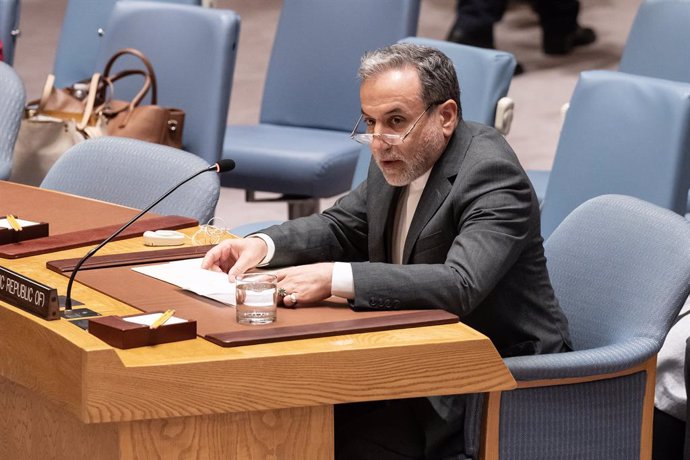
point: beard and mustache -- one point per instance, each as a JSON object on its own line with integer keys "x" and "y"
{"x": 412, "y": 162}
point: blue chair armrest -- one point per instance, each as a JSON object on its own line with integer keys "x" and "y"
{"x": 253, "y": 227}
{"x": 584, "y": 363}
{"x": 5, "y": 169}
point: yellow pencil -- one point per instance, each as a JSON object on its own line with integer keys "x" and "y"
{"x": 13, "y": 223}
{"x": 162, "y": 319}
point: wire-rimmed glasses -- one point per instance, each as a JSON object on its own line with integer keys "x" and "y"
{"x": 390, "y": 139}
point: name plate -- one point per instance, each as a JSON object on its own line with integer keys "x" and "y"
{"x": 29, "y": 295}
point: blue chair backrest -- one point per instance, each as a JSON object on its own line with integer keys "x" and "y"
{"x": 312, "y": 74}
{"x": 362, "y": 166}
{"x": 620, "y": 268}
{"x": 484, "y": 76}
{"x": 135, "y": 173}
{"x": 193, "y": 55}
{"x": 9, "y": 28}
{"x": 623, "y": 134}
{"x": 655, "y": 45}
{"x": 75, "y": 57}
{"x": 82, "y": 26}
{"x": 13, "y": 97}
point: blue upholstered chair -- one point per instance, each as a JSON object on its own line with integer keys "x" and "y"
{"x": 622, "y": 134}
{"x": 652, "y": 46}
{"x": 134, "y": 173}
{"x": 82, "y": 29}
{"x": 485, "y": 76}
{"x": 9, "y": 28}
{"x": 301, "y": 146}
{"x": 12, "y": 99}
{"x": 193, "y": 54}
{"x": 652, "y": 50}
{"x": 620, "y": 268}
{"x": 83, "y": 25}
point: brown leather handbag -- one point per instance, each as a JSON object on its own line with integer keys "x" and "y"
{"x": 152, "y": 123}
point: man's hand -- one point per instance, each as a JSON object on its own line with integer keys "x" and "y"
{"x": 306, "y": 283}
{"x": 235, "y": 256}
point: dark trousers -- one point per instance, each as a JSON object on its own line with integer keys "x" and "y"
{"x": 399, "y": 429}
{"x": 668, "y": 437}
{"x": 556, "y": 16}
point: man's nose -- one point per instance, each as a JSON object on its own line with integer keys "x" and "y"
{"x": 378, "y": 144}
{"x": 376, "y": 129}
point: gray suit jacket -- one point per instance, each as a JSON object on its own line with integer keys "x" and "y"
{"x": 474, "y": 246}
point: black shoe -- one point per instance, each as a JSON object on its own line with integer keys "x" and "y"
{"x": 564, "y": 43}
{"x": 482, "y": 38}
{"x": 519, "y": 70}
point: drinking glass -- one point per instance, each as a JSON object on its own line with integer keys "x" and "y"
{"x": 255, "y": 295}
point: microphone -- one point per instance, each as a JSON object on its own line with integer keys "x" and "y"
{"x": 220, "y": 167}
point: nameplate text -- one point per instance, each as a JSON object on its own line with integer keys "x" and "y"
{"x": 29, "y": 295}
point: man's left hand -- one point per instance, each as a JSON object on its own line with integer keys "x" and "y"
{"x": 305, "y": 283}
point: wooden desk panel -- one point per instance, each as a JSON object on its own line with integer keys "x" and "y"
{"x": 64, "y": 212}
{"x": 73, "y": 221}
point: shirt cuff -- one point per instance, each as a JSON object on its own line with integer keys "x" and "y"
{"x": 342, "y": 281}
{"x": 271, "y": 247}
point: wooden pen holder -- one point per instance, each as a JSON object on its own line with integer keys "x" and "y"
{"x": 119, "y": 333}
{"x": 29, "y": 232}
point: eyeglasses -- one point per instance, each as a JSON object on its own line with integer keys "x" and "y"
{"x": 390, "y": 139}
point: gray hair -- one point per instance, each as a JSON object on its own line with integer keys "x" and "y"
{"x": 436, "y": 71}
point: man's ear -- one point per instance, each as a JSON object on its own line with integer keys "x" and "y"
{"x": 449, "y": 116}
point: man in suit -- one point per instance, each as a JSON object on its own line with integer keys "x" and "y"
{"x": 446, "y": 219}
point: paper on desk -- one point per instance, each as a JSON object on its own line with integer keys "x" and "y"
{"x": 24, "y": 223}
{"x": 148, "y": 320}
{"x": 188, "y": 274}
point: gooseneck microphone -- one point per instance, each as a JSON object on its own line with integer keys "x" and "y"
{"x": 220, "y": 167}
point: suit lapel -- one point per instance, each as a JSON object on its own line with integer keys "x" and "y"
{"x": 438, "y": 186}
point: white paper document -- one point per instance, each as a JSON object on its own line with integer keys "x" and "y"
{"x": 4, "y": 223}
{"x": 188, "y": 275}
{"x": 148, "y": 320}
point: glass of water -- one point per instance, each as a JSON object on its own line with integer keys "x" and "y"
{"x": 255, "y": 295}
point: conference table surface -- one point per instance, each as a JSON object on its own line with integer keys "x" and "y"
{"x": 66, "y": 394}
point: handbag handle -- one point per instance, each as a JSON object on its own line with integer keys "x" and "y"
{"x": 90, "y": 101}
{"x": 47, "y": 89}
{"x": 137, "y": 98}
{"x": 142, "y": 58}
{"x": 88, "y": 106}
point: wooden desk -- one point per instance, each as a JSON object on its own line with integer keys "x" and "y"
{"x": 74, "y": 221}
{"x": 64, "y": 394}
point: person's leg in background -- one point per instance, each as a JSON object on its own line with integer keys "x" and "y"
{"x": 670, "y": 392}
{"x": 475, "y": 19}
{"x": 474, "y": 22}
{"x": 667, "y": 437}
{"x": 559, "y": 23}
